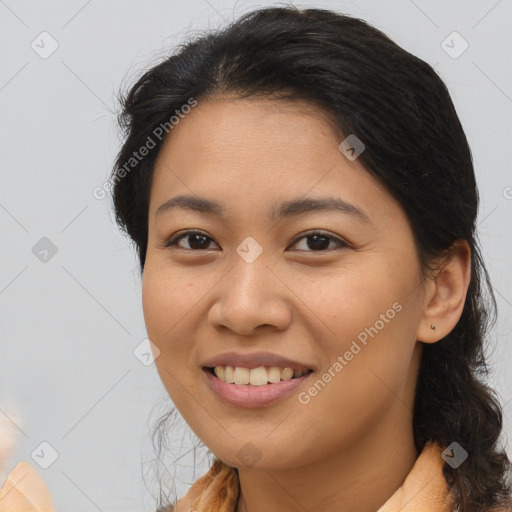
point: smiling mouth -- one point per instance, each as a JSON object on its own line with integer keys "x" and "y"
{"x": 260, "y": 376}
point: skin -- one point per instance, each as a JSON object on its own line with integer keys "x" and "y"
{"x": 351, "y": 446}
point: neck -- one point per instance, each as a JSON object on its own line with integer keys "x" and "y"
{"x": 359, "y": 477}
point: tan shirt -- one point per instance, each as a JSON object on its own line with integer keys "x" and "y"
{"x": 424, "y": 489}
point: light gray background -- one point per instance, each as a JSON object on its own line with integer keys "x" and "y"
{"x": 69, "y": 326}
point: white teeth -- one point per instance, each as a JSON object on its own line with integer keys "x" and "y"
{"x": 287, "y": 374}
{"x": 228, "y": 374}
{"x": 220, "y": 371}
{"x": 256, "y": 376}
{"x": 274, "y": 374}
{"x": 241, "y": 375}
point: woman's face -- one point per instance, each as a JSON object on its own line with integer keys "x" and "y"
{"x": 346, "y": 304}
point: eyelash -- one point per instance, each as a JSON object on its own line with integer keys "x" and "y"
{"x": 342, "y": 244}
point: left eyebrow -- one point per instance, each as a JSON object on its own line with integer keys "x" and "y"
{"x": 285, "y": 209}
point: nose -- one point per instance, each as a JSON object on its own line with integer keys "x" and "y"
{"x": 249, "y": 296}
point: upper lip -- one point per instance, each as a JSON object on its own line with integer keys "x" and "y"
{"x": 254, "y": 360}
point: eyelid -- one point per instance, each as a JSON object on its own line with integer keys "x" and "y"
{"x": 342, "y": 243}
{"x": 172, "y": 240}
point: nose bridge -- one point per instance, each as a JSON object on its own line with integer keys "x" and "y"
{"x": 250, "y": 294}
{"x": 249, "y": 279}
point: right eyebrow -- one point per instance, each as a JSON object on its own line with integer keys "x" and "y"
{"x": 285, "y": 209}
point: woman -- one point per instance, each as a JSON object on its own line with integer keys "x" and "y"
{"x": 303, "y": 202}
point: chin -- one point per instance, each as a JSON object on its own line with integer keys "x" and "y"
{"x": 251, "y": 455}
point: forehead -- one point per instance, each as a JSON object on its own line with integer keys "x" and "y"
{"x": 252, "y": 125}
{"x": 247, "y": 152}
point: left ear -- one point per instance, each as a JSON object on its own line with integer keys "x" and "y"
{"x": 446, "y": 294}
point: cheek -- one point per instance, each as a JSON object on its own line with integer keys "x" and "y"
{"x": 161, "y": 314}
{"x": 169, "y": 299}
{"x": 342, "y": 301}
{"x": 365, "y": 319}
{"x": 165, "y": 300}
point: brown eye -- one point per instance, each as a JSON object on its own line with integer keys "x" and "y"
{"x": 197, "y": 241}
{"x": 319, "y": 241}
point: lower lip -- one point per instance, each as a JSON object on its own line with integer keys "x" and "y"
{"x": 246, "y": 395}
